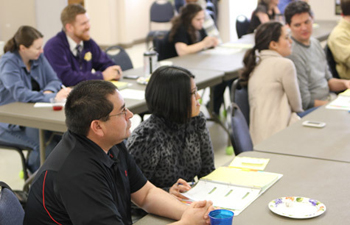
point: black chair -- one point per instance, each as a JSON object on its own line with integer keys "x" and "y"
{"x": 179, "y": 4}
{"x": 162, "y": 45}
{"x": 11, "y": 211}
{"x": 211, "y": 9}
{"x": 239, "y": 131}
{"x": 162, "y": 11}
{"x": 19, "y": 149}
{"x": 119, "y": 56}
{"x": 242, "y": 25}
{"x": 331, "y": 62}
{"x": 239, "y": 95}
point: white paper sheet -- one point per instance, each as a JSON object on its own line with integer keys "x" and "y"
{"x": 133, "y": 94}
{"x": 341, "y": 102}
{"x": 42, "y": 105}
{"x": 223, "y": 195}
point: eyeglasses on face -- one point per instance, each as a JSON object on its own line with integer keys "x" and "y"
{"x": 194, "y": 91}
{"x": 124, "y": 112}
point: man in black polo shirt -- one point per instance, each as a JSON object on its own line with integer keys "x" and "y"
{"x": 90, "y": 178}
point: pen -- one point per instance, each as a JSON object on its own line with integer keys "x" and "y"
{"x": 63, "y": 87}
{"x": 189, "y": 183}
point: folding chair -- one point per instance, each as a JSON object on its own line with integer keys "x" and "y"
{"x": 119, "y": 56}
{"x": 242, "y": 25}
{"x": 162, "y": 11}
{"x": 19, "y": 149}
{"x": 11, "y": 211}
{"x": 239, "y": 131}
{"x": 239, "y": 95}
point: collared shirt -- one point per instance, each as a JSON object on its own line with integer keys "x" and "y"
{"x": 68, "y": 67}
{"x": 15, "y": 80}
{"x": 80, "y": 184}
{"x": 339, "y": 44}
{"x": 73, "y": 45}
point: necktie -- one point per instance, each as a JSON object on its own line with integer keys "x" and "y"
{"x": 78, "y": 55}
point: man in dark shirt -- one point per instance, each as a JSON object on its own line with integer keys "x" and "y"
{"x": 73, "y": 54}
{"x": 90, "y": 178}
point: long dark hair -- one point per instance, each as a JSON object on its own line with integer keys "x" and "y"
{"x": 25, "y": 36}
{"x": 168, "y": 94}
{"x": 265, "y": 33}
{"x": 187, "y": 13}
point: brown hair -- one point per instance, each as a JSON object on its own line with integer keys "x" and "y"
{"x": 69, "y": 13}
{"x": 265, "y": 33}
{"x": 25, "y": 36}
{"x": 345, "y": 7}
{"x": 295, "y": 8}
{"x": 187, "y": 13}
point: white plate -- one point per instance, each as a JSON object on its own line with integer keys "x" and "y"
{"x": 297, "y": 207}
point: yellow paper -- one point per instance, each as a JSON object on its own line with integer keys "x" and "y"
{"x": 238, "y": 177}
{"x": 249, "y": 163}
{"x": 120, "y": 85}
{"x": 345, "y": 93}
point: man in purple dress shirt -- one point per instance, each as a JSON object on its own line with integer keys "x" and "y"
{"x": 73, "y": 54}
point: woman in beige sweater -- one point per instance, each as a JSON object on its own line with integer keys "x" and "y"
{"x": 274, "y": 96}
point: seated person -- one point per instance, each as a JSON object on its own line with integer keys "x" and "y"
{"x": 314, "y": 78}
{"x": 90, "y": 178}
{"x": 73, "y": 54}
{"x": 339, "y": 42}
{"x": 187, "y": 35}
{"x": 26, "y": 76}
{"x": 174, "y": 142}
{"x": 208, "y": 24}
{"x": 265, "y": 11}
{"x": 274, "y": 96}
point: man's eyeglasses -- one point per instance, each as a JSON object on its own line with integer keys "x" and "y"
{"x": 124, "y": 111}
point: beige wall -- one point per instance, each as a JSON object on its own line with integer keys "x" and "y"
{"x": 117, "y": 21}
{"x": 13, "y": 14}
{"x": 324, "y": 9}
{"x": 120, "y": 21}
{"x": 48, "y": 21}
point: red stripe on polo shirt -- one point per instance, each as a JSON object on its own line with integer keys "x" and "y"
{"x": 44, "y": 201}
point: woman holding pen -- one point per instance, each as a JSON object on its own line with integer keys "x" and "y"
{"x": 173, "y": 146}
{"x": 26, "y": 76}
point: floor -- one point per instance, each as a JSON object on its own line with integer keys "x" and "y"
{"x": 10, "y": 163}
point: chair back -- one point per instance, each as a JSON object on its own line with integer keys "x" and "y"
{"x": 161, "y": 11}
{"x": 212, "y": 11}
{"x": 239, "y": 131}
{"x": 239, "y": 95}
{"x": 242, "y": 25}
{"x": 119, "y": 56}
{"x": 162, "y": 45}
{"x": 18, "y": 148}
{"x": 11, "y": 211}
{"x": 331, "y": 62}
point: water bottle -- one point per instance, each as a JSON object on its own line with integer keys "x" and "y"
{"x": 150, "y": 59}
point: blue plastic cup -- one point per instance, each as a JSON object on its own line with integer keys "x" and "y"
{"x": 221, "y": 217}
